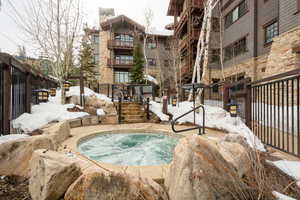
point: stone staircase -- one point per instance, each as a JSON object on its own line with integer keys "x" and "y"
{"x": 132, "y": 112}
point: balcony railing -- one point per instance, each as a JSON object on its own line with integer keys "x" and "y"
{"x": 119, "y": 63}
{"x": 119, "y": 44}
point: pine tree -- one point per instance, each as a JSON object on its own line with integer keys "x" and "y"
{"x": 86, "y": 58}
{"x": 137, "y": 72}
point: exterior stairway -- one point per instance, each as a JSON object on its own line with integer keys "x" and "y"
{"x": 132, "y": 112}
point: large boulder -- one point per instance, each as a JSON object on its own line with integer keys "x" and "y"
{"x": 51, "y": 174}
{"x": 58, "y": 132}
{"x": 96, "y": 185}
{"x": 200, "y": 172}
{"x": 15, "y": 155}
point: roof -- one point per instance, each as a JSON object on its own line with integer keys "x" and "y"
{"x": 121, "y": 18}
{"x": 172, "y": 6}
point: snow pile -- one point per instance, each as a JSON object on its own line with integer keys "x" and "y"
{"x": 151, "y": 79}
{"x": 291, "y": 168}
{"x": 8, "y": 138}
{"x": 215, "y": 117}
{"x": 100, "y": 112}
{"x": 75, "y": 91}
{"x": 280, "y": 196}
{"x": 43, "y": 114}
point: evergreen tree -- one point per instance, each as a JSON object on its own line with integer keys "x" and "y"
{"x": 137, "y": 73}
{"x": 86, "y": 58}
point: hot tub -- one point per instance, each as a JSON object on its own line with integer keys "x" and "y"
{"x": 130, "y": 149}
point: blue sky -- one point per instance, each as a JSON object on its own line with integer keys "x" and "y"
{"x": 11, "y": 35}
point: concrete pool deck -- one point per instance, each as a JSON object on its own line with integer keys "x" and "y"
{"x": 156, "y": 173}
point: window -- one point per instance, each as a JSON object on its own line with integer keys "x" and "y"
{"x": 151, "y": 62}
{"x": 235, "y": 49}
{"x": 124, "y": 37}
{"x": 271, "y": 31}
{"x": 151, "y": 45}
{"x": 122, "y": 77}
{"x": 95, "y": 39}
{"x": 216, "y": 24}
{"x": 215, "y": 55}
{"x": 124, "y": 59}
{"x": 215, "y": 88}
{"x": 236, "y": 14}
{"x": 167, "y": 63}
{"x": 96, "y": 57}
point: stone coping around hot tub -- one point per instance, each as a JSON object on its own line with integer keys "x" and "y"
{"x": 156, "y": 173}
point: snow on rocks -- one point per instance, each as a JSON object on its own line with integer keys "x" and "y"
{"x": 44, "y": 113}
{"x": 280, "y": 196}
{"x": 75, "y": 91}
{"x": 12, "y": 137}
{"x": 100, "y": 112}
{"x": 151, "y": 79}
{"x": 215, "y": 117}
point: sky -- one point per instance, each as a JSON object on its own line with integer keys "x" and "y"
{"x": 11, "y": 35}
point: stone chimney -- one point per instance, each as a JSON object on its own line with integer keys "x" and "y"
{"x": 105, "y": 14}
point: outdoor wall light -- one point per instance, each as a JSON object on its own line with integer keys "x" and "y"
{"x": 233, "y": 108}
{"x": 53, "y": 92}
{"x": 42, "y": 95}
{"x": 174, "y": 101}
{"x": 67, "y": 86}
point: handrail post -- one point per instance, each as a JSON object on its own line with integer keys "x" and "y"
{"x": 112, "y": 92}
{"x": 120, "y": 110}
{"x": 148, "y": 109}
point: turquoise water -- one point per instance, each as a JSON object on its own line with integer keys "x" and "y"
{"x": 130, "y": 149}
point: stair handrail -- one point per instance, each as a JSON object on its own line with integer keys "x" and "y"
{"x": 189, "y": 129}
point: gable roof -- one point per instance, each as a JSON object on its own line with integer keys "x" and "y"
{"x": 121, "y": 18}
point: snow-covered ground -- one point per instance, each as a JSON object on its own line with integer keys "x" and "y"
{"x": 215, "y": 117}
{"x": 280, "y": 196}
{"x": 291, "y": 168}
{"x": 53, "y": 110}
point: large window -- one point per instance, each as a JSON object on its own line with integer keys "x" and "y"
{"x": 95, "y": 39}
{"x": 122, "y": 77}
{"x": 271, "y": 31}
{"x": 235, "y": 49}
{"x": 124, "y": 37}
{"x": 236, "y": 13}
{"x": 124, "y": 59}
{"x": 151, "y": 62}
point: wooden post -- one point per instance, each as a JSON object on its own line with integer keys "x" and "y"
{"x": 248, "y": 106}
{"x": 225, "y": 96}
{"x": 81, "y": 88}
{"x": 148, "y": 108}
{"x": 7, "y": 99}
{"x": 28, "y": 93}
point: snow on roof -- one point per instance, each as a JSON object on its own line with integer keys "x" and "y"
{"x": 11, "y": 137}
{"x": 154, "y": 31}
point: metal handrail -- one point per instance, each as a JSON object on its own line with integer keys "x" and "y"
{"x": 189, "y": 129}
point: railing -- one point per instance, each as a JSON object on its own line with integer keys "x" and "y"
{"x": 276, "y": 112}
{"x": 119, "y": 44}
{"x": 197, "y": 126}
{"x": 119, "y": 63}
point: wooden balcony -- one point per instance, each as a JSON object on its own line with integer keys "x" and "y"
{"x": 114, "y": 63}
{"x": 197, "y": 4}
{"x": 118, "y": 44}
